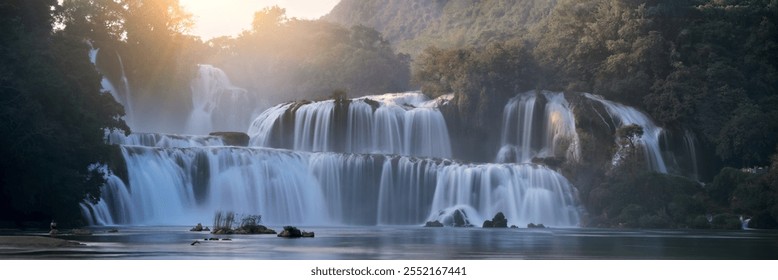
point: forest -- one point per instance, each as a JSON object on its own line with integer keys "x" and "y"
{"x": 708, "y": 66}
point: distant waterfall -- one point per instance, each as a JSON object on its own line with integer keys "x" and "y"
{"x": 690, "y": 144}
{"x": 181, "y": 186}
{"x": 538, "y": 128}
{"x": 625, "y": 115}
{"x": 120, "y": 94}
{"x": 217, "y": 104}
{"x": 402, "y": 124}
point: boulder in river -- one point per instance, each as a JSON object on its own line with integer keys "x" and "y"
{"x": 499, "y": 221}
{"x": 293, "y": 232}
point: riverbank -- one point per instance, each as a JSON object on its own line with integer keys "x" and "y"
{"x": 23, "y": 241}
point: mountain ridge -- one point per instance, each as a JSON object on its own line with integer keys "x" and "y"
{"x": 412, "y": 26}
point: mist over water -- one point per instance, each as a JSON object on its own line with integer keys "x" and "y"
{"x": 217, "y": 104}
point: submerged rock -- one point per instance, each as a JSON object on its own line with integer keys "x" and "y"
{"x": 254, "y": 229}
{"x": 80, "y": 231}
{"x": 433, "y": 224}
{"x": 222, "y": 231}
{"x": 531, "y": 225}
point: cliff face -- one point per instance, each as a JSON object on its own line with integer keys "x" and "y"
{"x": 414, "y": 25}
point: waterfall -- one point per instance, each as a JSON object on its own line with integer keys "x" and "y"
{"x": 217, "y": 105}
{"x": 402, "y": 124}
{"x": 181, "y": 186}
{"x": 122, "y": 94}
{"x": 625, "y": 115}
{"x": 533, "y": 129}
{"x": 374, "y": 160}
{"x": 691, "y": 147}
{"x": 524, "y": 193}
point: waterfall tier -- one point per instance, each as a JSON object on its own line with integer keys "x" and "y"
{"x": 403, "y": 124}
{"x": 623, "y": 115}
{"x": 538, "y": 125}
{"x": 182, "y": 186}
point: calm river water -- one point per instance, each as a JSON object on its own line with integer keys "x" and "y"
{"x": 415, "y": 243}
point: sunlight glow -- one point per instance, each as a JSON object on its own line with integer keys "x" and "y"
{"x": 230, "y": 17}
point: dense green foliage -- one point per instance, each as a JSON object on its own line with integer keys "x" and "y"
{"x": 707, "y": 66}
{"x": 300, "y": 59}
{"x": 413, "y": 26}
{"x": 52, "y": 114}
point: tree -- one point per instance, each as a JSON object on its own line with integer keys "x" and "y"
{"x": 268, "y": 19}
{"x": 98, "y": 20}
{"x": 53, "y": 116}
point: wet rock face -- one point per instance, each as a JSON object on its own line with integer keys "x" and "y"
{"x": 239, "y": 139}
{"x": 499, "y": 221}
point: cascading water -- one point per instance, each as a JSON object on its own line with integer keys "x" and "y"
{"x": 122, "y": 94}
{"x": 162, "y": 140}
{"x": 624, "y": 115}
{"x": 690, "y": 144}
{"x": 217, "y": 104}
{"x": 404, "y": 124}
{"x": 531, "y": 129}
{"x": 524, "y": 193}
{"x": 179, "y": 186}
{"x": 365, "y": 161}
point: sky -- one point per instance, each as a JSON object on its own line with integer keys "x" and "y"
{"x": 230, "y": 17}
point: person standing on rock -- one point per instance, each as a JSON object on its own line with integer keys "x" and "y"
{"x": 53, "y": 228}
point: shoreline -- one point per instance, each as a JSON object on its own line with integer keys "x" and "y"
{"x": 32, "y": 241}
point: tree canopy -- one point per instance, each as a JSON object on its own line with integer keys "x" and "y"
{"x": 53, "y": 115}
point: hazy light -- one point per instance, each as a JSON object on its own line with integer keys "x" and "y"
{"x": 230, "y": 17}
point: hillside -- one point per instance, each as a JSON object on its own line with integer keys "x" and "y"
{"x": 412, "y": 26}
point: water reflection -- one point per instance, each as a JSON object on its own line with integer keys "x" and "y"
{"x": 415, "y": 243}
